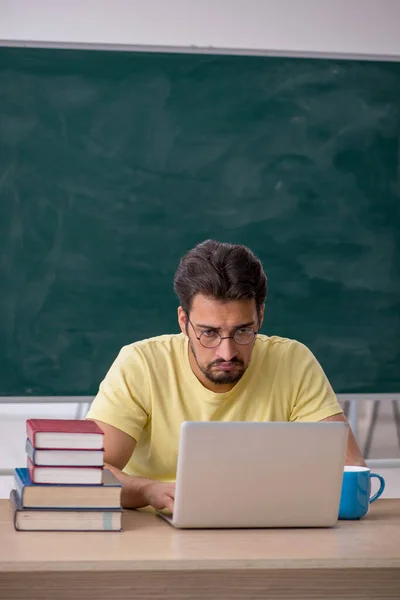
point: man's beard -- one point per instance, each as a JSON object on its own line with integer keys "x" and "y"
{"x": 223, "y": 377}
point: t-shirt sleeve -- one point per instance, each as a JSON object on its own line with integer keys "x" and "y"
{"x": 313, "y": 397}
{"x": 123, "y": 396}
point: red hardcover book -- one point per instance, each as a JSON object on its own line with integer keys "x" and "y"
{"x": 66, "y": 434}
{"x": 65, "y": 475}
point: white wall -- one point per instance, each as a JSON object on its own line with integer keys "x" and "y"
{"x": 348, "y": 28}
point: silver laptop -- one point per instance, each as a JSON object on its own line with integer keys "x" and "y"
{"x": 241, "y": 474}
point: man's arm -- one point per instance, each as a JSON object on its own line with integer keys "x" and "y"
{"x": 137, "y": 492}
{"x": 353, "y": 454}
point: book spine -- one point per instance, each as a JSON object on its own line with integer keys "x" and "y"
{"x": 31, "y": 469}
{"x": 19, "y": 488}
{"x": 30, "y": 431}
{"x": 30, "y": 450}
{"x": 15, "y": 506}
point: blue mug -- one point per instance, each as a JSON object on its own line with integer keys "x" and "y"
{"x": 356, "y": 492}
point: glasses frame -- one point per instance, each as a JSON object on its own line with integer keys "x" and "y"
{"x": 225, "y": 337}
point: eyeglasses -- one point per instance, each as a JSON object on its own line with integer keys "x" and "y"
{"x": 210, "y": 338}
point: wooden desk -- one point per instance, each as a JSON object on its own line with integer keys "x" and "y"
{"x": 150, "y": 559}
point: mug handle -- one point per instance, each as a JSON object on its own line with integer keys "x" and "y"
{"x": 382, "y": 487}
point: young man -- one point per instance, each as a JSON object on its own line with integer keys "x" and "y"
{"x": 219, "y": 368}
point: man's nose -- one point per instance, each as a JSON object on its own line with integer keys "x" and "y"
{"x": 227, "y": 349}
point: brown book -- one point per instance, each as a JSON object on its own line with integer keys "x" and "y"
{"x": 38, "y": 519}
{"x": 32, "y": 495}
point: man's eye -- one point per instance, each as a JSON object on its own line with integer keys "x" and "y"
{"x": 245, "y": 331}
{"x": 209, "y": 333}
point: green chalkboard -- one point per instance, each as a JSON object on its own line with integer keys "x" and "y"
{"x": 113, "y": 164}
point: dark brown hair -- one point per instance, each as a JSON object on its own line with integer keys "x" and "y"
{"x": 222, "y": 271}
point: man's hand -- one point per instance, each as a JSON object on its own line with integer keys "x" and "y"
{"x": 159, "y": 495}
{"x": 137, "y": 492}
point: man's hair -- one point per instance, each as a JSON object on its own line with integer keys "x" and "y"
{"x": 222, "y": 271}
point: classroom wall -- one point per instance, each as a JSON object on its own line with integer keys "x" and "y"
{"x": 348, "y": 28}
{"x": 344, "y": 28}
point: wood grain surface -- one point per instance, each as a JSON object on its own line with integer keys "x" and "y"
{"x": 150, "y": 559}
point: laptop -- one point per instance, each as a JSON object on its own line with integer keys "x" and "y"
{"x": 245, "y": 474}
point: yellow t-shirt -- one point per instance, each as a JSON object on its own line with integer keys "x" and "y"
{"x": 151, "y": 389}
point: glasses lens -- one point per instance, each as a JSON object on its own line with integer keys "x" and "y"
{"x": 210, "y": 339}
{"x": 244, "y": 336}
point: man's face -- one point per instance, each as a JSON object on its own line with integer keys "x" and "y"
{"x": 219, "y": 368}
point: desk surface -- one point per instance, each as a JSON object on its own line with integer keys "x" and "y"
{"x": 150, "y": 545}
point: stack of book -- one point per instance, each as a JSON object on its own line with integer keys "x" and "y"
{"x": 65, "y": 486}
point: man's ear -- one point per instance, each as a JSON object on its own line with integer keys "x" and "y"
{"x": 182, "y": 320}
{"x": 261, "y": 316}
